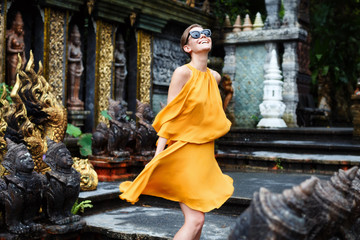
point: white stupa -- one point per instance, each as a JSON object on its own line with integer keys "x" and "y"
{"x": 272, "y": 108}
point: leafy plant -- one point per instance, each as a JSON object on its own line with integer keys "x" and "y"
{"x": 237, "y": 7}
{"x": 106, "y": 114}
{"x": 8, "y": 91}
{"x": 84, "y": 139}
{"x": 278, "y": 164}
{"x": 81, "y": 206}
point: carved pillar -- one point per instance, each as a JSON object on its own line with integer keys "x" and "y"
{"x": 104, "y": 64}
{"x": 144, "y": 66}
{"x": 54, "y": 49}
{"x": 230, "y": 61}
{"x": 2, "y": 39}
{"x": 290, "y": 69}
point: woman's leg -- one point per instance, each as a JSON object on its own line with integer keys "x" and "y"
{"x": 194, "y": 221}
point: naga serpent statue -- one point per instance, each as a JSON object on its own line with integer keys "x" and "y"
{"x": 34, "y": 114}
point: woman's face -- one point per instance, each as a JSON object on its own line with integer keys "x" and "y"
{"x": 200, "y": 44}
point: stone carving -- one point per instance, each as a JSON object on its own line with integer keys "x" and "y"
{"x": 247, "y": 26}
{"x": 237, "y": 24}
{"x": 89, "y": 179}
{"x": 227, "y": 24}
{"x": 166, "y": 58}
{"x": 99, "y": 145}
{"x": 270, "y": 35}
{"x": 22, "y": 196}
{"x": 63, "y": 184}
{"x": 227, "y": 90}
{"x": 314, "y": 209}
{"x": 272, "y": 8}
{"x": 290, "y": 69}
{"x": 258, "y": 23}
{"x": 120, "y": 68}
{"x": 15, "y": 45}
{"x": 146, "y": 135}
{"x": 116, "y": 139}
{"x": 291, "y": 13}
{"x": 272, "y": 108}
{"x": 75, "y": 70}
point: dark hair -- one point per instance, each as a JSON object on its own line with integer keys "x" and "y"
{"x": 185, "y": 36}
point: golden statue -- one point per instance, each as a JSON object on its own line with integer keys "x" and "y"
{"x": 15, "y": 45}
{"x": 35, "y": 113}
{"x": 89, "y": 178}
{"x": 75, "y": 69}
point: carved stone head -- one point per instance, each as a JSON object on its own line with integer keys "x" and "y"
{"x": 58, "y": 156}
{"x": 18, "y": 158}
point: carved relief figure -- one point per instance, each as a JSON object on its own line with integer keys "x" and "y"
{"x": 15, "y": 45}
{"x": 22, "y": 199}
{"x": 75, "y": 70}
{"x": 120, "y": 68}
{"x": 63, "y": 184}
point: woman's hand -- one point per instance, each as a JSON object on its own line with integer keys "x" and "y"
{"x": 160, "y": 145}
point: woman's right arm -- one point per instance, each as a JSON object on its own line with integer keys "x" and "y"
{"x": 180, "y": 76}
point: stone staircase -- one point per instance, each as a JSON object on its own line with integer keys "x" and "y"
{"x": 305, "y": 150}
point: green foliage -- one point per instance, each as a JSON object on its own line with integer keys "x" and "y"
{"x": 81, "y": 206}
{"x": 84, "y": 139}
{"x": 105, "y": 114}
{"x": 8, "y": 91}
{"x": 278, "y": 164}
{"x": 335, "y": 48}
{"x": 85, "y": 144}
{"x": 73, "y": 130}
{"x": 238, "y": 7}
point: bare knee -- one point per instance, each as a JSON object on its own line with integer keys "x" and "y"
{"x": 196, "y": 220}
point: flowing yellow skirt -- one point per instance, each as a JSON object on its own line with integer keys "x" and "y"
{"x": 184, "y": 172}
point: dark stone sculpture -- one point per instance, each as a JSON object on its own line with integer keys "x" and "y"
{"x": 74, "y": 71}
{"x": 63, "y": 184}
{"x": 120, "y": 68}
{"x": 15, "y": 45}
{"x": 146, "y": 135}
{"x": 22, "y": 197}
{"x": 313, "y": 210}
{"x": 116, "y": 140}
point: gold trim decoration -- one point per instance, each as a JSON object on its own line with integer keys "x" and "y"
{"x": 104, "y": 65}
{"x": 54, "y": 38}
{"x": 144, "y": 59}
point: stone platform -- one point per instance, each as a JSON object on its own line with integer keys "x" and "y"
{"x": 303, "y": 150}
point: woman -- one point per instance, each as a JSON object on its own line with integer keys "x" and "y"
{"x": 187, "y": 171}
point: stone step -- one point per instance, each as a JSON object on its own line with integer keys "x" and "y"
{"x": 306, "y": 133}
{"x": 292, "y": 146}
{"x": 285, "y": 162}
{"x": 156, "y": 218}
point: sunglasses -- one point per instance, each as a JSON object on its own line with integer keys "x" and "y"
{"x": 197, "y": 34}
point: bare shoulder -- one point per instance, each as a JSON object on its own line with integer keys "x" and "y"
{"x": 216, "y": 75}
{"x": 179, "y": 78}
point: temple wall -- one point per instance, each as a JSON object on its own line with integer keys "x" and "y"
{"x": 151, "y": 31}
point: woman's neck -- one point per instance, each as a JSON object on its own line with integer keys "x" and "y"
{"x": 199, "y": 61}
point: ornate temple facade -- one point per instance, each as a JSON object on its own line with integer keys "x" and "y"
{"x": 96, "y": 50}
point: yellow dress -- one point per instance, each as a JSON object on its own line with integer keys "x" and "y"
{"x": 187, "y": 171}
